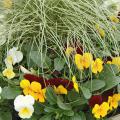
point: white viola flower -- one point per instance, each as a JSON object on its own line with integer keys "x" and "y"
{"x": 13, "y": 56}
{"x": 24, "y": 106}
{"x": 24, "y": 70}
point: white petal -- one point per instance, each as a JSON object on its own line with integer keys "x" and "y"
{"x": 24, "y": 70}
{"x": 23, "y": 101}
{"x": 18, "y": 102}
{"x": 18, "y": 57}
{"x": 30, "y": 100}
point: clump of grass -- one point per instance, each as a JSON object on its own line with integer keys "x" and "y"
{"x": 50, "y": 24}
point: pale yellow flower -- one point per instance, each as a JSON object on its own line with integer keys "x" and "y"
{"x": 8, "y": 73}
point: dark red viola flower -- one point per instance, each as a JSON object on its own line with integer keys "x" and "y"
{"x": 41, "y": 80}
{"x": 51, "y": 82}
{"x": 59, "y": 81}
{"x": 96, "y": 99}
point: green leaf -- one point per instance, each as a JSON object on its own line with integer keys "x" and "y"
{"x": 62, "y": 105}
{"x": 46, "y": 117}
{"x": 77, "y": 117}
{"x": 38, "y": 108}
{"x": 109, "y": 77}
{"x": 68, "y": 113}
{"x": 111, "y": 82}
{"x": 49, "y": 109}
{"x": 86, "y": 92}
{"x": 10, "y": 92}
{"x": 51, "y": 96}
{"x": 109, "y": 71}
{"x": 75, "y": 98}
{"x": 5, "y": 115}
{"x": 82, "y": 114}
{"x": 41, "y": 60}
{"x": 59, "y": 64}
{"x": 94, "y": 85}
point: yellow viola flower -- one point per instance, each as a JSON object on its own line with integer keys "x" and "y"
{"x": 101, "y": 32}
{"x": 60, "y": 90}
{"x": 78, "y": 61}
{"x": 97, "y": 66}
{"x": 100, "y": 110}
{"x": 76, "y": 87}
{"x": 83, "y": 61}
{"x": 7, "y": 3}
{"x": 114, "y": 19}
{"x": 69, "y": 50}
{"x": 34, "y": 89}
{"x": 8, "y": 73}
{"x": 113, "y": 101}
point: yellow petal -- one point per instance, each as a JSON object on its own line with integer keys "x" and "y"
{"x": 35, "y": 86}
{"x": 24, "y": 83}
{"x": 78, "y": 61}
{"x": 8, "y": 73}
{"x": 26, "y": 112}
{"x": 87, "y": 60}
{"x": 60, "y": 90}
{"x": 76, "y": 86}
{"x": 96, "y": 107}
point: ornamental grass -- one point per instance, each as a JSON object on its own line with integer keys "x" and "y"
{"x": 60, "y": 59}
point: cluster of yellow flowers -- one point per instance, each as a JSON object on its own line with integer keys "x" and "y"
{"x": 34, "y": 89}
{"x": 103, "y": 109}
{"x": 86, "y": 61}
